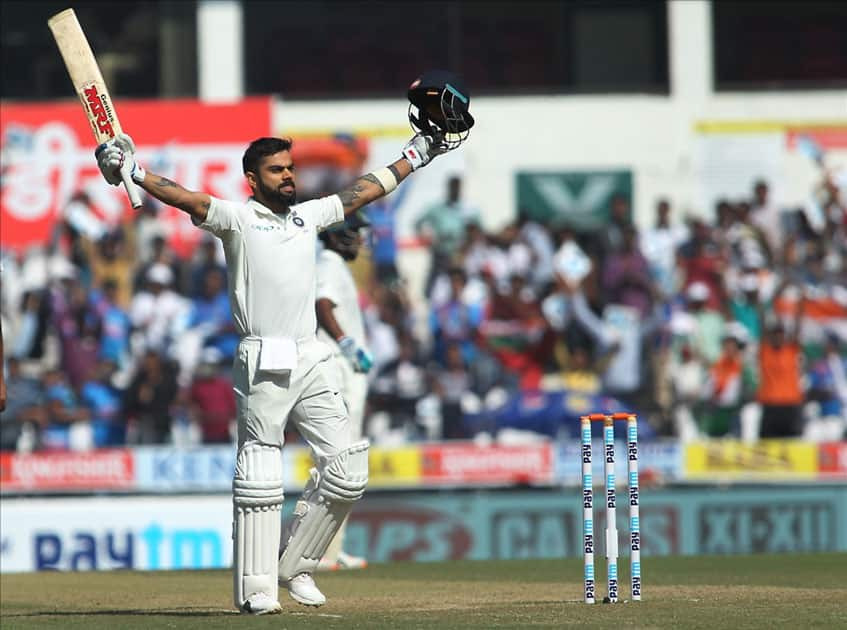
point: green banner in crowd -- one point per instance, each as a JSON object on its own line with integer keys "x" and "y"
{"x": 579, "y": 199}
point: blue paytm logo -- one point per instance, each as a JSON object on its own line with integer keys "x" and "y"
{"x": 82, "y": 550}
{"x": 189, "y": 548}
{"x": 154, "y": 547}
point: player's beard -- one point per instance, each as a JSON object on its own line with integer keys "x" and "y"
{"x": 277, "y": 195}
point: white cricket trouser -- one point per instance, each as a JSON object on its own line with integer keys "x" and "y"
{"x": 354, "y": 390}
{"x": 309, "y": 396}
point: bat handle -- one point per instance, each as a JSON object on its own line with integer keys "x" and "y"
{"x": 131, "y": 189}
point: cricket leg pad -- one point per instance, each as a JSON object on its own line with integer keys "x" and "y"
{"x": 257, "y": 523}
{"x": 322, "y": 510}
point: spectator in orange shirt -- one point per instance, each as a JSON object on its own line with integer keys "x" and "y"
{"x": 780, "y": 392}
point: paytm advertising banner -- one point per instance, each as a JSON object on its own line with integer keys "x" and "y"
{"x": 194, "y": 532}
{"x": 116, "y": 533}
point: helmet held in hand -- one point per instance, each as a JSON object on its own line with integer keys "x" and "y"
{"x": 439, "y": 107}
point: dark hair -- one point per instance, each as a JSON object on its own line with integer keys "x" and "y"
{"x": 263, "y": 147}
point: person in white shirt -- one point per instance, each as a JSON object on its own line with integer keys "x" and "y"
{"x": 281, "y": 371}
{"x": 540, "y": 242}
{"x": 766, "y": 216}
{"x": 659, "y": 246}
{"x": 341, "y": 325}
{"x": 156, "y": 310}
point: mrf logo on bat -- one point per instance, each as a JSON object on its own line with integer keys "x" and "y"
{"x": 99, "y": 108}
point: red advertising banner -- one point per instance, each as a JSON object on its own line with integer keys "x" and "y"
{"x": 96, "y": 470}
{"x": 832, "y": 460}
{"x": 48, "y": 158}
{"x": 827, "y": 138}
{"x": 468, "y": 463}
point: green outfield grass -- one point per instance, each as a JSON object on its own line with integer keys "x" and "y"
{"x": 785, "y": 591}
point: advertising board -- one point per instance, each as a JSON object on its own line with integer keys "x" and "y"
{"x": 148, "y": 533}
{"x": 157, "y": 532}
{"x": 48, "y": 158}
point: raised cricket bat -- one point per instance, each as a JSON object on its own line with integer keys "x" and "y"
{"x": 89, "y": 86}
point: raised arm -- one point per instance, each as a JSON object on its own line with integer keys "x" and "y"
{"x": 418, "y": 152}
{"x": 799, "y": 315}
{"x": 113, "y": 155}
{"x": 372, "y": 186}
{"x": 196, "y": 204}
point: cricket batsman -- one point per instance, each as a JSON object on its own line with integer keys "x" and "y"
{"x": 281, "y": 371}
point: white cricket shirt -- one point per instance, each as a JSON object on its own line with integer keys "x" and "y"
{"x": 336, "y": 283}
{"x": 270, "y": 261}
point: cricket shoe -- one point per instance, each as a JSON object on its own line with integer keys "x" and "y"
{"x": 261, "y": 604}
{"x": 346, "y": 561}
{"x": 303, "y": 590}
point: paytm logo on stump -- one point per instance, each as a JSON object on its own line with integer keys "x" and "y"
{"x": 154, "y": 547}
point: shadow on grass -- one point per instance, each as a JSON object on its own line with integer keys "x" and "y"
{"x": 147, "y": 612}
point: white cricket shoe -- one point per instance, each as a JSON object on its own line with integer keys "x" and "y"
{"x": 261, "y": 604}
{"x": 303, "y": 590}
{"x": 346, "y": 561}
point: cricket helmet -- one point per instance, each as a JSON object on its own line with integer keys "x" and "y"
{"x": 438, "y": 107}
{"x": 342, "y": 237}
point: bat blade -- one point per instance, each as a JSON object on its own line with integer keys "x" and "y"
{"x": 89, "y": 85}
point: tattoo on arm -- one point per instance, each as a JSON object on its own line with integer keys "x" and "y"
{"x": 353, "y": 195}
{"x": 395, "y": 172}
{"x": 164, "y": 182}
{"x": 173, "y": 194}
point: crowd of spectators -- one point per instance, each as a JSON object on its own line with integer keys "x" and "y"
{"x": 733, "y": 325}
{"x": 730, "y": 325}
{"x": 111, "y": 338}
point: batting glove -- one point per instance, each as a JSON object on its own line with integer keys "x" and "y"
{"x": 361, "y": 360}
{"x": 420, "y": 150}
{"x": 116, "y": 154}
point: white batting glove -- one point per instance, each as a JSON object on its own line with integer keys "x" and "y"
{"x": 361, "y": 360}
{"x": 420, "y": 151}
{"x": 116, "y": 154}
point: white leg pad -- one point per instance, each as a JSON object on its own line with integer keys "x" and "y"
{"x": 257, "y": 521}
{"x": 323, "y": 508}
